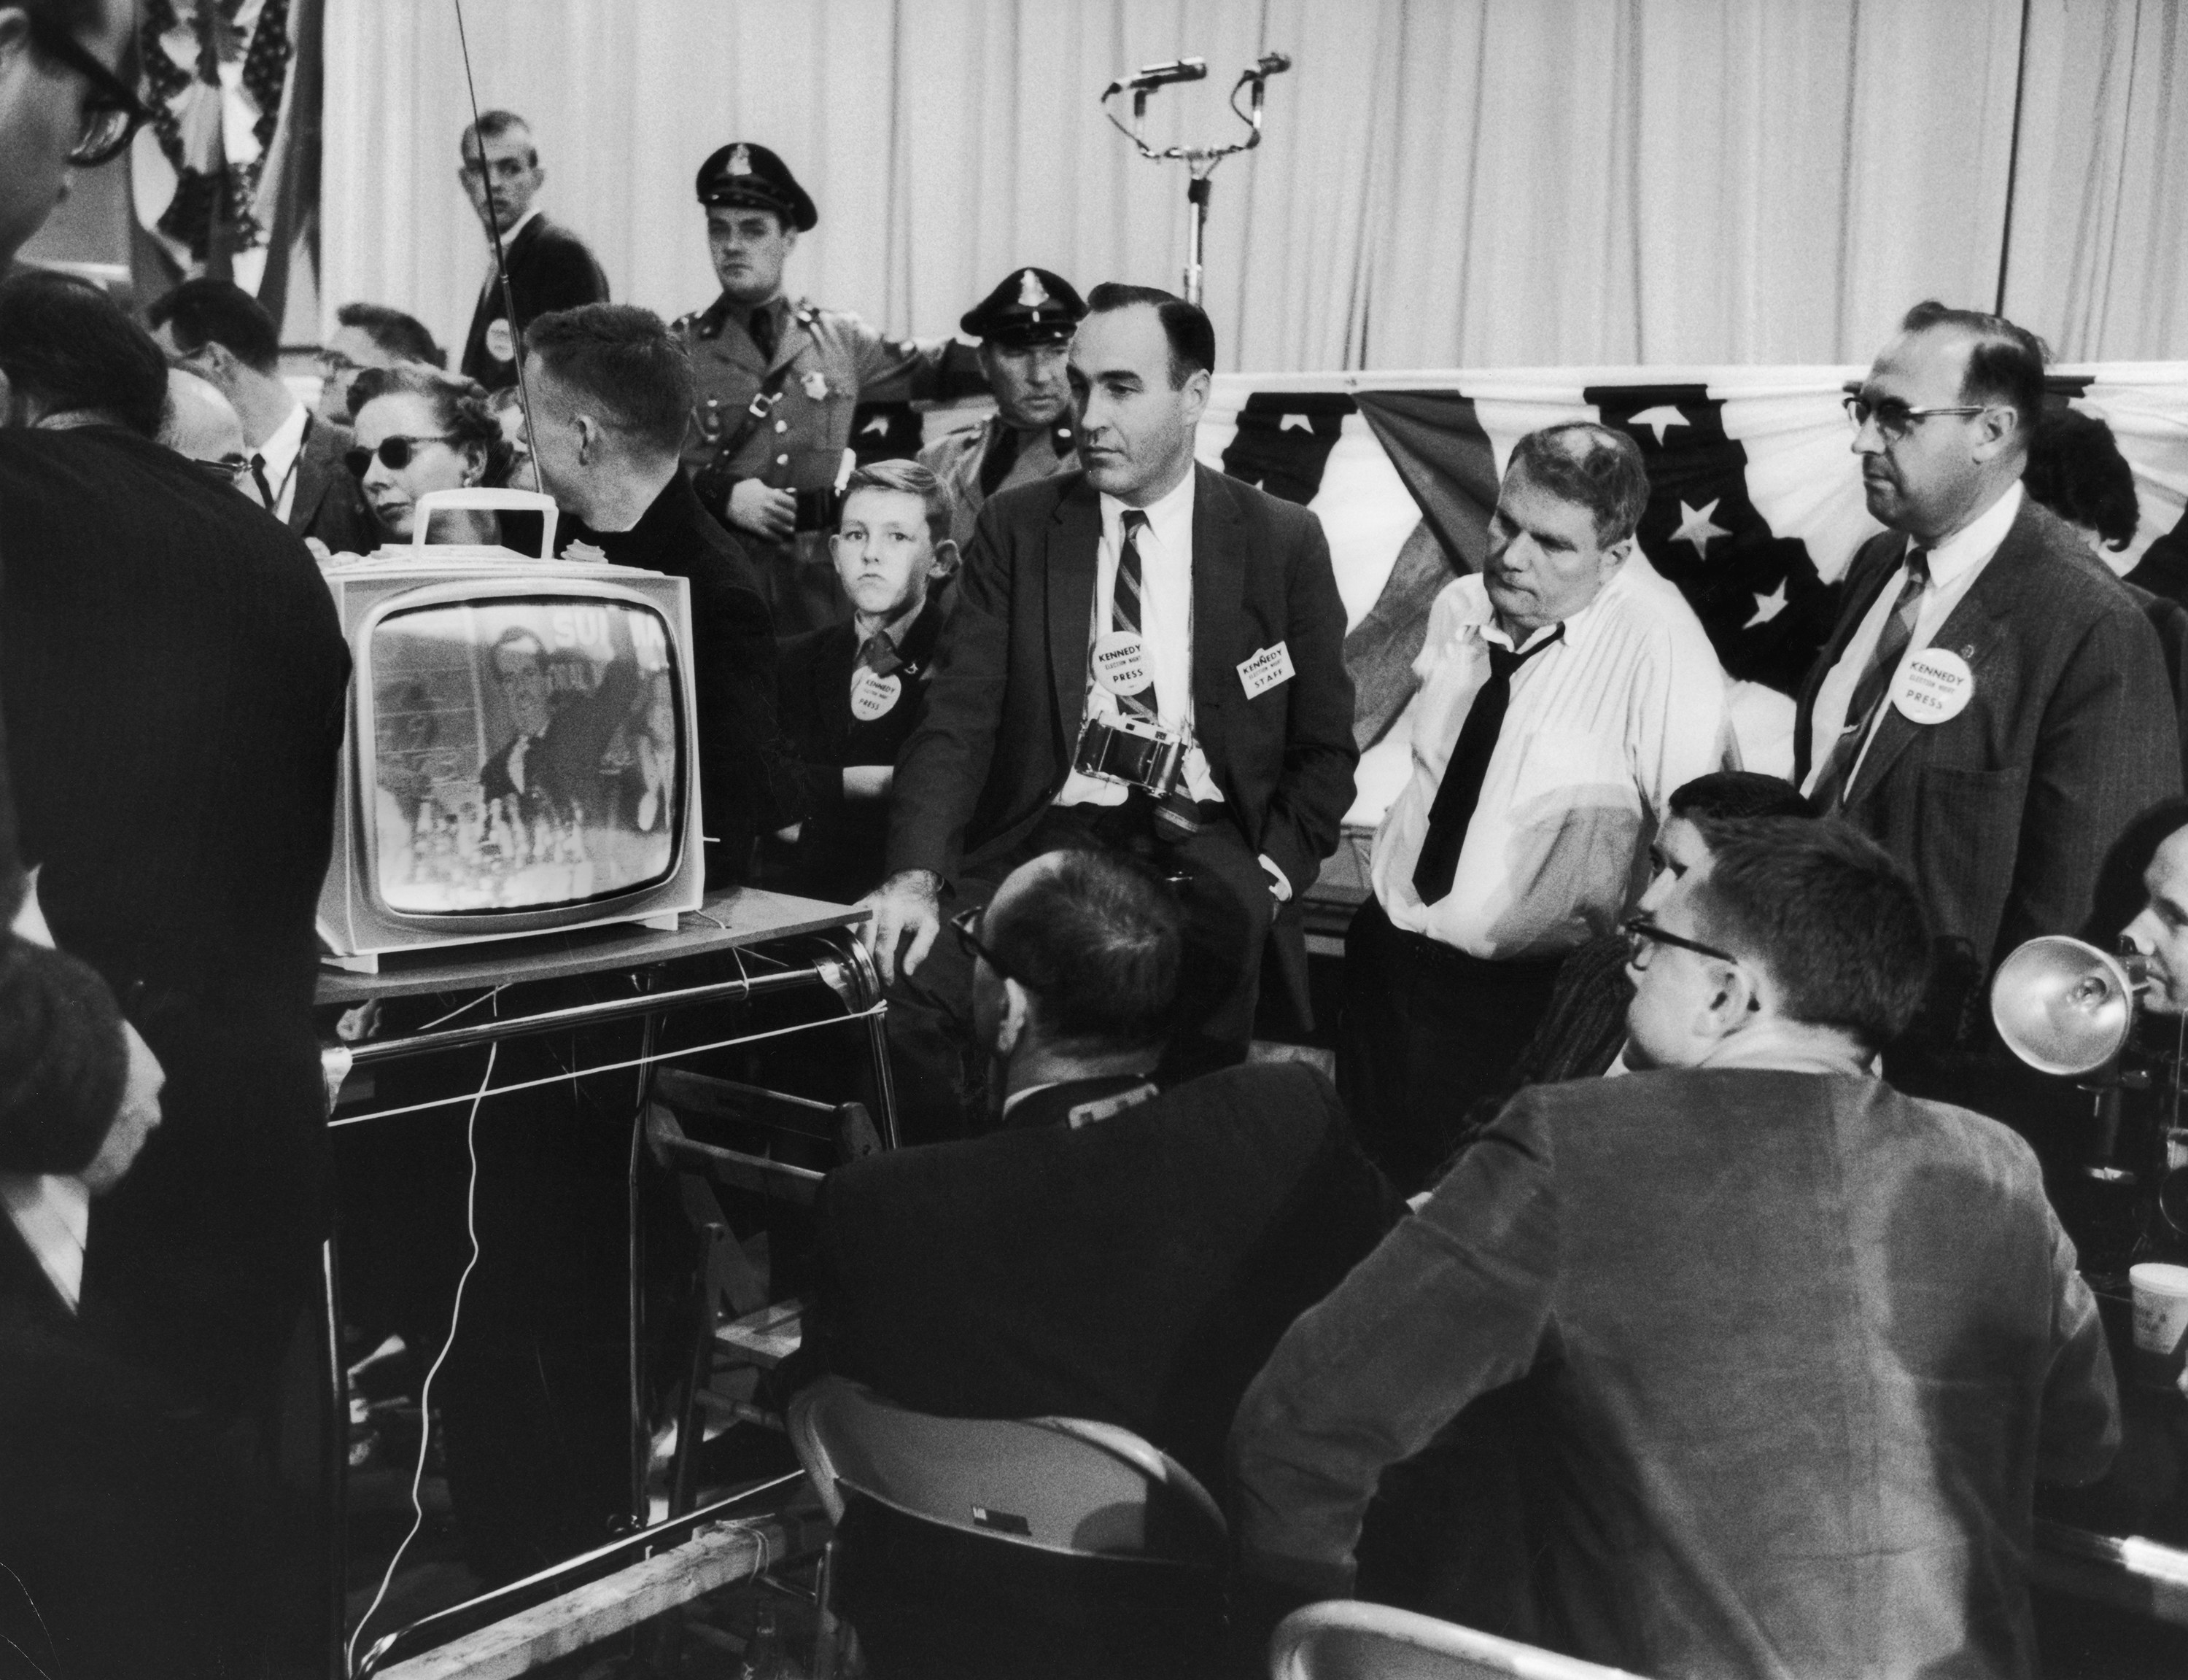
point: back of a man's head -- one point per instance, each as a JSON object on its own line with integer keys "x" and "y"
{"x": 1826, "y": 909}
{"x": 68, "y": 348}
{"x": 403, "y": 337}
{"x": 1727, "y": 796}
{"x": 1097, "y": 943}
{"x": 622, "y": 361}
{"x": 202, "y": 312}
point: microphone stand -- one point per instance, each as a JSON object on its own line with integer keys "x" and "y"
{"x": 1199, "y": 161}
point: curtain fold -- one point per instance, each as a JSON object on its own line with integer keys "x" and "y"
{"x": 1444, "y": 182}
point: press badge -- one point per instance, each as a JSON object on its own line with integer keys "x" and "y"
{"x": 500, "y": 343}
{"x": 1933, "y": 686}
{"x": 1120, "y": 663}
{"x": 1265, "y": 670}
{"x": 875, "y": 696}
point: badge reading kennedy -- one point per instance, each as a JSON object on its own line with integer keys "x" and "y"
{"x": 1269, "y": 667}
{"x": 1933, "y": 686}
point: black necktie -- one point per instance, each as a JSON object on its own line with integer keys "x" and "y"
{"x": 1124, "y": 609}
{"x": 1830, "y": 787}
{"x": 878, "y": 654}
{"x": 258, "y": 478}
{"x": 1003, "y": 455}
{"x": 761, "y": 325}
{"x": 1463, "y": 773}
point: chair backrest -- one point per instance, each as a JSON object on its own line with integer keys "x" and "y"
{"x": 1059, "y": 1484}
{"x": 1346, "y": 1640}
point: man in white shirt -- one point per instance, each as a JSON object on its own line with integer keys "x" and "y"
{"x": 1566, "y": 691}
{"x": 1993, "y": 706}
{"x": 293, "y": 466}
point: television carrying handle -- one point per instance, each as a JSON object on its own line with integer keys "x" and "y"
{"x": 501, "y": 501}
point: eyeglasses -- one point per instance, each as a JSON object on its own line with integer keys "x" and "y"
{"x": 112, "y": 112}
{"x": 1895, "y": 419}
{"x": 1640, "y": 932}
{"x": 394, "y": 453}
{"x": 962, "y": 925}
{"x": 229, "y": 469}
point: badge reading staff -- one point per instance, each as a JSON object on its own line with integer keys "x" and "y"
{"x": 1120, "y": 663}
{"x": 874, "y": 697}
{"x": 1267, "y": 668}
{"x": 1933, "y": 686}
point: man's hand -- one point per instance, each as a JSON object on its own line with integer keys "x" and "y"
{"x": 134, "y": 1120}
{"x": 868, "y": 781}
{"x": 762, "y": 510}
{"x": 906, "y": 904}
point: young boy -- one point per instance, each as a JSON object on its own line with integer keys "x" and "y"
{"x": 850, "y": 695}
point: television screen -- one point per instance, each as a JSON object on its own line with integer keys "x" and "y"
{"x": 525, "y": 753}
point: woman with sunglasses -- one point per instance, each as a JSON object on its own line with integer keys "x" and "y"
{"x": 419, "y": 429}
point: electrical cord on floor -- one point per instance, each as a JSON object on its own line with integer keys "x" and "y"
{"x": 448, "y": 1343}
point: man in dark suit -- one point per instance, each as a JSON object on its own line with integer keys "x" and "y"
{"x": 549, "y": 266}
{"x": 220, "y": 332}
{"x": 610, "y": 395}
{"x": 1800, "y": 1347}
{"x": 1993, "y": 706}
{"x": 1219, "y": 628}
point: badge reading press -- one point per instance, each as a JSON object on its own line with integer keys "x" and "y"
{"x": 1267, "y": 668}
{"x": 874, "y": 697}
{"x": 1120, "y": 663}
{"x": 500, "y": 343}
{"x": 1933, "y": 685}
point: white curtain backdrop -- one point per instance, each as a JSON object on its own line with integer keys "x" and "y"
{"x": 1445, "y": 183}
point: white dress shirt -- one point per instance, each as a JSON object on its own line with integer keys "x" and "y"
{"x": 1954, "y": 566}
{"x": 1604, "y": 723}
{"x": 1166, "y": 629}
{"x": 53, "y": 1214}
{"x": 281, "y": 451}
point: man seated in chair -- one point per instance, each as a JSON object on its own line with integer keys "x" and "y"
{"x": 1800, "y": 1347}
{"x": 1113, "y": 1251}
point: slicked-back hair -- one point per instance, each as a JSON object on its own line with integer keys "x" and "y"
{"x": 912, "y": 480}
{"x": 459, "y": 405}
{"x": 1724, "y": 796}
{"x": 1826, "y": 909}
{"x": 1191, "y": 334}
{"x": 621, "y": 358}
{"x": 2075, "y": 469}
{"x": 1095, "y": 940}
{"x": 68, "y": 346}
{"x": 402, "y": 336}
{"x": 205, "y": 310}
{"x": 2006, "y": 363}
{"x": 492, "y": 125}
{"x": 1593, "y": 466}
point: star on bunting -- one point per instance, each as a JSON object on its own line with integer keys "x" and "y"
{"x": 1768, "y": 606}
{"x": 880, "y": 423}
{"x": 1659, "y": 419}
{"x": 1696, "y": 526}
{"x": 1296, "y": 423}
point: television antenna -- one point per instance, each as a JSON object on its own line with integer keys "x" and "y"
{"x": 1199, "y": 161}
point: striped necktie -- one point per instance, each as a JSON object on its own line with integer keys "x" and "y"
{"x": 1124, "y": 607}
{"x": 1868, "y": 693}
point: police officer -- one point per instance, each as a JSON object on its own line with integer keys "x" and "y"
{"x": 778, "y": 382}
{"x": 1024, "y": 326}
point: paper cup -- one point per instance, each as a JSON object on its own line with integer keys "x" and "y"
{"x": 2160, "y": 1321}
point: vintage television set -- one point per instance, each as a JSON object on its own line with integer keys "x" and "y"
{"x": 519, "y": 753}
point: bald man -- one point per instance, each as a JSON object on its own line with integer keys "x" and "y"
{"x": 202, "y": 426}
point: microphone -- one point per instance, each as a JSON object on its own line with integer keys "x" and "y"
{"x": 1152, "y": 76}
{"x": 1272, "y": 64}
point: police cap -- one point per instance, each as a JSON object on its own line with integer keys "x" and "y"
{"x": 1030, "y": 307}
{"x": 753, "y": 177}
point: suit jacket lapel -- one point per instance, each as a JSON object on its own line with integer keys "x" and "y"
{"x": 1972, "y": 630}
{"x": 794, "y": 340}
{"x": 1218, "y": 587}
{"x": 1074, "y": 542}
{"x": 310, "y": 488}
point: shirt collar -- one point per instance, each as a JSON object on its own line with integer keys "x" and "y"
{"x": 1482, "y": 617}
{"x": 896, "y": 627}
{"x": 1171, "y": 519}
{"x": 53, "y": 1215}
{"x": 1975, "y": 543}
{"x": 524, "y": 222}
{"x": 282, "y": 443}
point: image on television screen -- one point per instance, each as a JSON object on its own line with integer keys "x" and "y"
{"x": 525, "y": 753}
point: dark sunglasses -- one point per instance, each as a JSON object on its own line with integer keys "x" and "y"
{"x": 395, "y": 452}
{"x": 112, "y": 112}
{"x": 1640, "y": 929}
{"x": 962, "y": 925}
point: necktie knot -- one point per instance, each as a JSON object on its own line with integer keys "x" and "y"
{"x": 878, "y": 654}
{"x": 1135, "y": 521}
{"x": 1918, "y": 568}
{"x": 1505, "y": 660}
